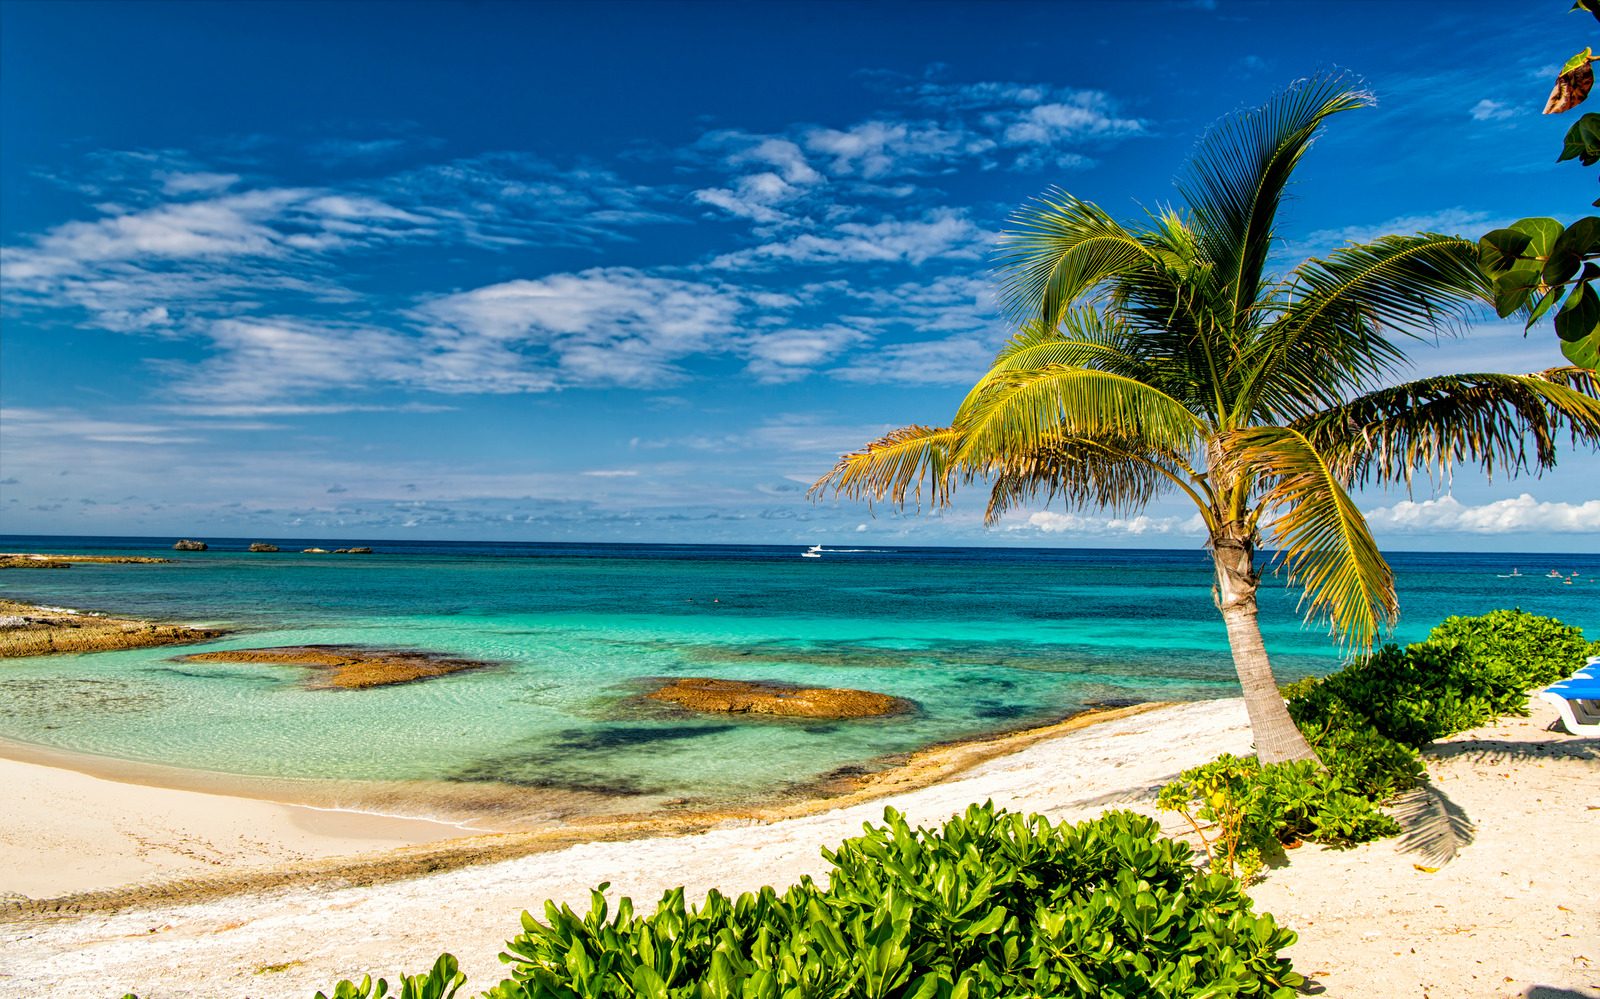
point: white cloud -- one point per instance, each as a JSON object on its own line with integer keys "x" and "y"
{"x": 1507, "y": 516}
{"x": 943, "y": 232}
{"x": 873, "y": 149}
{"x": 198, "y": 182}
{"x": 602, "y": 326}
{"x": 956, "y": 360}
{"x": 1050, "y": 522}
{"x": 1487, "y": 110}
{"x": 1448, "y": 220}
{"x": 786, "y": 355}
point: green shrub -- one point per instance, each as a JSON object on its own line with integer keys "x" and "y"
{"x": 1366, "y": 723}
{"x": 1412, "y": 695}
{"x": 443, "y": 982}
{"x": 1469, "y": 671}
{"x": 1252, "y": 809}
{"x": 992, "y": 905}
{"x": 1512, "y": 651}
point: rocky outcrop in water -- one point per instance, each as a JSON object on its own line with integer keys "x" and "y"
{"x": 30, "y": 630}
{"x": 314, "y": 551}
{"x": 18, "y": 560}
{"x": 262, "y": 546}
{"x": 32, "y": 562}
{"x": 189, "y": 546}
{"x": 352, "y": 551}
{"x": 748, "y": 697}
{"x": 350, "y": 667}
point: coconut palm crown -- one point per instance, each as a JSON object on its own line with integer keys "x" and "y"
{"x": 1161, "y": 357}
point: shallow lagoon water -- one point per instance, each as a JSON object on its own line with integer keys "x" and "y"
{"x": 981, "y": 639}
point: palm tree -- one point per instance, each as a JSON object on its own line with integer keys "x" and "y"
{"x": 1161, "y": 357}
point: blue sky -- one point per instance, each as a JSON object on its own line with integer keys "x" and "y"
{"x": 641, "y": 271}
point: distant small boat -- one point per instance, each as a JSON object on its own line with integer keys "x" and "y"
{"x": 815, "y": 551}
{"x": 1513, "y": 574}
{"x": 1554, "y": 574}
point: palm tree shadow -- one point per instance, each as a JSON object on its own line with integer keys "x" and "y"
{"x": 1432, "y": 825}
{"x": 1493, "y": 752}
{"x": 1549, "y": 992}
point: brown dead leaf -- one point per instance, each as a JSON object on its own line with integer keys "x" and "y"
{"x": 1570, "y": 89}
{"x": 1426, "y": 870}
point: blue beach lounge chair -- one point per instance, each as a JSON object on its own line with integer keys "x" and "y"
{"x": 1577, "y": 701}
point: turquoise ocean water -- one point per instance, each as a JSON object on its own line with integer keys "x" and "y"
{"x": 981, "y": 639}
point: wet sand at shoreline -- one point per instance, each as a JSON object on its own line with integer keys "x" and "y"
{"x": 332, "y": 832}
{"x": 1501, "y": 919}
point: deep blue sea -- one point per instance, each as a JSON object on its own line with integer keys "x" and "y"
{"x": 981, "y": 638}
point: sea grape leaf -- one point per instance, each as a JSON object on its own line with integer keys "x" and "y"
{"x": 1579, "y": 316}
{"x": 1584, "y": 353}
{"x": 1592, "y": 6}
{"x": 1573, "y": 85}
{"x": 1501, "y": 249}
{"x": 1577, "y": 243}
{"x": 1582, "y": 141}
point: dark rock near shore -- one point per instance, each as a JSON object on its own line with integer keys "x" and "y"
{"x": 352, "y": 551}
{"x": 746, "y": 697}
{"x": 262, "y": 546}
{"x": 189, "y": 546}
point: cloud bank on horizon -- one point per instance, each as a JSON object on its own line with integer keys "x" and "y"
{"x": 402, "y": 316}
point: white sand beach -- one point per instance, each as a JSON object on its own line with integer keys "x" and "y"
{"x": 1505, "y": 917}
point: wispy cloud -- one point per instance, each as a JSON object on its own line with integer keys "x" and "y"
{"x": 944, "y": 232}
{"x": 1487, "y": 110}
{"x": 1050, "y": 522}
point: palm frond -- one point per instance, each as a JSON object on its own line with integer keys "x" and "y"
{"x": 1020, "y": 412}
{"x": 1058, "y": 248}
{"x": 1084, "y": 472}
{"x": 1085, "y": 338}
{"x": 1322, "y": 538}
{"x": 1237, "y": 179}
{"x": 1511, "y": 423}
{"x": 894, "y": 465}
{"x": 1332, "y": 334}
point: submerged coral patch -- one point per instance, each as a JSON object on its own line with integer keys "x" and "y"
{"x": 747, "y": 697}
{"x": 350, "y": 667}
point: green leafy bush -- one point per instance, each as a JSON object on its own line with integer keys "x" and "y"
{"x": 1252, "y": 809}
{"x": 1411, "y": 695}
{"x": 1468, "y": 672}
{"x": 1512, "y": 651}
{"x": 992, "y": 905}
{"x": 443, "y": 982}
{"x": 1367, "y": 722}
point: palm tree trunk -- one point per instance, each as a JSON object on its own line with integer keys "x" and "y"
{"x": 1276, "y": 736}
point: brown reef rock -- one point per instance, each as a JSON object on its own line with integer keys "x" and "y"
{"x": 350, "y": 667}
{"x": 189, "y": 546}
{"x": 25, "y": 560}
{"x": 739, "y": 697}
{"x": 31, "y": 630}
{"x": 262, "y": 546}
{"x": 314, "y": 551}
{"x": 352, "y": 551}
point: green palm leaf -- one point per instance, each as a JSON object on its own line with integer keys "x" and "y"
{"x": 1085, "y": 473}
{"x": 1511, "y": 423}
{"x": 1058, "y": 248}
{"x": 1024, "y": 411}
{"x": 896, "y": 464}
{"x": 1333, "y": 336}
{"x": 1321, "y": 537}
{"x": 1237, "y": 178}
